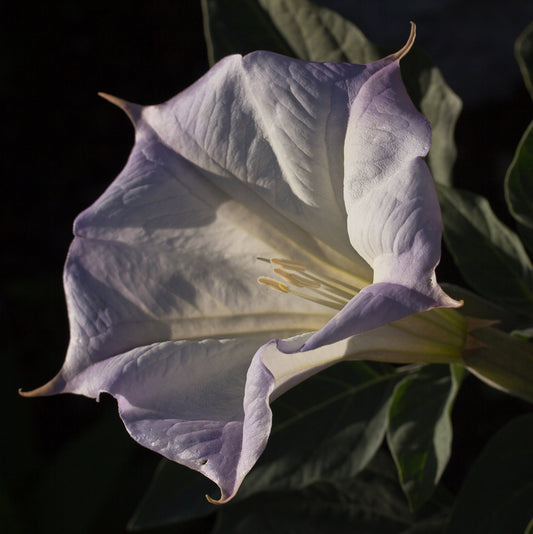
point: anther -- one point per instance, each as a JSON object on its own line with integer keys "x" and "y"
{"x": 288, "y": 264}
{"x": 323, "y": 290}
{"x": 274, "y": 284}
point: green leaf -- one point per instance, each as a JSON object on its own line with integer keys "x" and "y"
{"x": 316, "y": 33}
{"x": 497, "y": 495}
{"x": 327, "y": 428}
{"x": 519, "y": 187}
{"x": 372, "y": 502}
{"x": 420, "y": 430}
{"x": 524, "y": 56}
{"x": 489, "y": 255}
{"x": 175, "y": 495}
{"x": 302, "y": 29}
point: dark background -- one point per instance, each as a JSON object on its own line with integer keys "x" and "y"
{"x": 67, "y": 460}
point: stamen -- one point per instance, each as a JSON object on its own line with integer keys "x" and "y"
{"x": 298, "y": 281}
{"x": 335, "y": 287}
{"x": 274, "y": 284}
{"x": 328, "y": 303}
{"x": 323, "y": 290}
{"x": 288, "y": 264}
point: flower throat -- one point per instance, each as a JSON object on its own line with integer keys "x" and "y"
{"x": 297, "y": 280}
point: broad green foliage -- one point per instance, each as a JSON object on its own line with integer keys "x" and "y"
{"x": 372, "y": 502}
{"x": 524, "y": 56}
{"x": 175, "y": 495}
{"x": 519, "y": 179}
{"x": 318, "y": 34}
{"x": 304, "y": 30}
{"x": 420, "y": 429}
{"x": 490, "y": 256}
{"x": 519, "y": 187}
{"x": 497, "y": 495}
{"x": 335, "y": 425}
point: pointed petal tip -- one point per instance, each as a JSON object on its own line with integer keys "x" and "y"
{"x": 443, "y": 300}
{"x": 55, "y": 386}
{"x": 37, "y": 392}
{"x": 407, "y": 46}
{"x": 133, "y": 111}
{"x": 222, "y": 500}
{"x": 452, "y": 303}
{"x": 213, "y": 501}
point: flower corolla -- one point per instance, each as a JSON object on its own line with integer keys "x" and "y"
{"x": 272, "y": 219}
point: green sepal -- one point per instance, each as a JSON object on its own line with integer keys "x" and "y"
{"x": 501, "y": 360}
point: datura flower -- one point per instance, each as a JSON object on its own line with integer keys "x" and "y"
{"x": 234, "y": 255}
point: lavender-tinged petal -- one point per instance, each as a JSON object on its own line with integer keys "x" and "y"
{"x": 184, "y": 400}
{"x": 393, "y": 212}
{"x": 375, "y": 306}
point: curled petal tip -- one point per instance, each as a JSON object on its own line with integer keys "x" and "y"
{"x": 452, "y": 303}
{"x": 133, "y": 111}
{"x": 38, "y": 392}
{"x": 55, "y": 386}
{"x": 407, "y": 46}
{"x": 445, "y": 301}
{"x": 216, "y": 501}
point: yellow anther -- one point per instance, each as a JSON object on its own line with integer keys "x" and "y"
{"x": 274, "y": 284}
{"x": 323, "y": 290}
{"x": 288, "y": 264}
